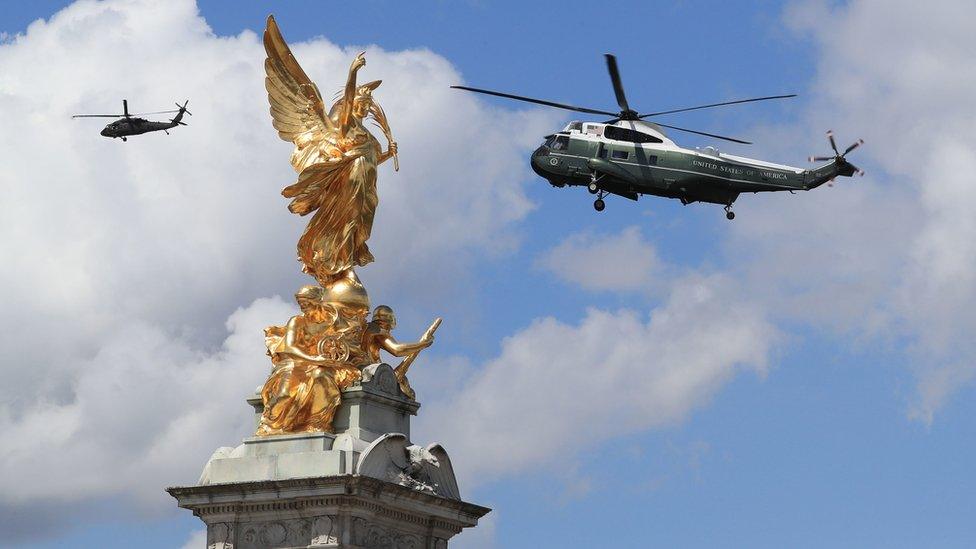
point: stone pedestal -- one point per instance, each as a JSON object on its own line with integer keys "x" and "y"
{"x": 365, "y": 486}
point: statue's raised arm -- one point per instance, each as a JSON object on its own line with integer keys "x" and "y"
{"x": 349, "y": 94}
{"x": 335, "y": 157}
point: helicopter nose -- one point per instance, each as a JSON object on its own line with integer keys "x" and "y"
{"x": 106, "y": 132}
{"x": 540, "y": 162}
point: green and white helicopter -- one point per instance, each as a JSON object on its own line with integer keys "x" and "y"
{"x": 628, "y": 156}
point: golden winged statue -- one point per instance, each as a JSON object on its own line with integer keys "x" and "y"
{"x": 335, "y": 157}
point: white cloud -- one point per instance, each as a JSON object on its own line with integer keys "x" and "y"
{"x": 197, "y": 540}
{"x": 556, "y": 389}
{"x": 890, "y": 257}
{"x": 604, "y": 262}
{"x": 146, "y": 412}
{"x": 123, "y": 260}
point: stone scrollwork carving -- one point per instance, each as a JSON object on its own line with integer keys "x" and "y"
{"x": 289, "y": 533}
{"x": 375, "y": 536}
{"x": 324, "y": 531}
{"x": 382, "y": 377}
{"x": 219, "y": 536}
{"x": 273, "y": 533}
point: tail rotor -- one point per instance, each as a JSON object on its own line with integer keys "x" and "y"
{"x": 847, "y": 168}
{"x": 179, "y": 114}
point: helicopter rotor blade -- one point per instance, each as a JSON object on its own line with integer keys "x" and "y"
{"x": 736, "y": 102}
{"x": 732, "y": 139}
{"x": 833, "y": 144}
{"x": 97, "y": 116}
{"x": 154, "y": 112}
{"x": 618, "y": 87}
{"x": 856, "y": 144}
{"x": 820, "y": 158}
{"x": 536, "y": 101}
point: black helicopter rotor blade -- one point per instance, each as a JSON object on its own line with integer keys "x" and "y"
{"x": 833, "y": 144}
{"x": 97, "y": 116}
{"x": 732, "y": 139}
{"x": 856, "y": 144}
{"x": 736, "y": 102}
{"x": 154, "y": 112}
{"x": 618, "y": 87}
{"x": 536, "y": 101}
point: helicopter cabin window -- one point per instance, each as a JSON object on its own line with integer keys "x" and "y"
{"x": 623, "y": 134}
{"x": 560, "y": 143}
{"x": 574, "y": 125}
{"x": 593, "y": 129}
{"x": 619, "y": 155}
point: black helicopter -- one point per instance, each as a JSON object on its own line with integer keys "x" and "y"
{"x": 129, "y": 124}
{"x": 629, "y": 156}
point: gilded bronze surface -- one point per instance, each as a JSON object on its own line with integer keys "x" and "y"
{"x": 378, "y": 337}
{"x": 335, "y": 157}
{"x": 322, "y": 350}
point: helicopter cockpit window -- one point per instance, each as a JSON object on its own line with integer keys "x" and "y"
{"x": 623, "y": 134}
{"x": 574, "y": 125}
{"x": 561, "y": 143}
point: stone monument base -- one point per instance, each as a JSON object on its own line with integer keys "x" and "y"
{"x": 348, "y": 511}
{"x": 365, "y": 486}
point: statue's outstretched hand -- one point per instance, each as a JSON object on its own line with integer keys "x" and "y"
{"x": 359, "y": 62}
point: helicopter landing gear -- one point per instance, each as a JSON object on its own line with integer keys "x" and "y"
{"x": 124, "y": 139}
{"x": 599, "y": 204}
{"x": 593, "y": 187}
{"x": 729, "y": 214}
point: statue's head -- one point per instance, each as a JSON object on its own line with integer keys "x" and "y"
{"x": 309, "y": 300}
{"x": 309, "y": 297}
{"x": 364, "y": 99}
{"x": 383, "y": 314}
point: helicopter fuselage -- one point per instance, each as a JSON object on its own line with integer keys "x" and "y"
{"x": 631, "y": 158}
{"x": 134, "y": 126}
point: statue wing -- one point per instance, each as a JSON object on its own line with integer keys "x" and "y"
{"x": 441, "y": 475}
{"x": 297, "y": 109}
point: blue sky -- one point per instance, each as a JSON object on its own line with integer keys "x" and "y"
{"x": 841, "y": 416}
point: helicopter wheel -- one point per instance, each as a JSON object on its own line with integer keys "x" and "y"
{"x": 592, "y": 188}
{"x": 124, "y": 139}
{"x": 730, "y": 215}
{"x": 599, "y": 204}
